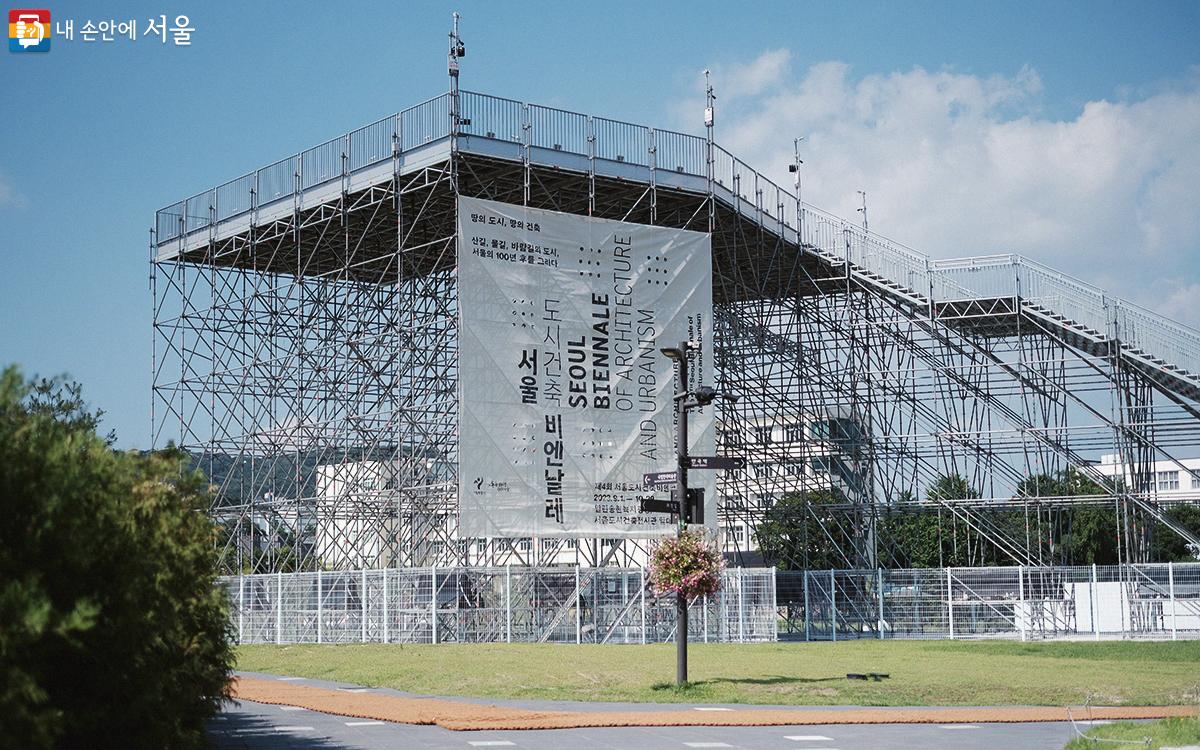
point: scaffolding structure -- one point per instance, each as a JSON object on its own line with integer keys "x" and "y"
{"x": 306, "y": 334}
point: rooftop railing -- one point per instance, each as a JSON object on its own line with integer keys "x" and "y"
{"x": 535, "y": 127}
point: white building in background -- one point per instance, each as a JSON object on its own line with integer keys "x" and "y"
{"x": 799, "y": 452}
{"x": 347, "y": 530}
{"x": 1166, "y": 479}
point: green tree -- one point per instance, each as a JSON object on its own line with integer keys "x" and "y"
{"x": 1083, "y": 534}
{"x": 110, "y": 622}
{"x": 801, "y": 531}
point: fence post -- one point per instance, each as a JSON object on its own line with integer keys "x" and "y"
{"x": 950, "y": 601}
{"x": 833, "y": 605}
{"x": 320, "y": 607}
{"x": 241, "y": 603}
{"x": 879, "y": 585}
{"x": 1021, "y": 600}
{"x": 807, "y": 618}
{"x": 741, "y": 609}
{"x": 433, "y": 595}
{"x": 578, "y": 608}
{"x": 642, "y": 594}
{"x": 385, "y": 606}
{"x": 363, "y": 597}
{"x": 278, "y": 608}
{"x": 1171, "y": 591}
{"x": 1095, "y": 605}
{"x": 774, "y": 608}
{"x": 508, "y": 602}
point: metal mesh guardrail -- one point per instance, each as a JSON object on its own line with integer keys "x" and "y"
{"x": 1151, "y": 601}
{"x": 479, "y": 605}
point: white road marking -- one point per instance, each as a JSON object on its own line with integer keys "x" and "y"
{"x": 710, "y": 708}
{"x": 294, "y": 729}
{"x": 289, "y": 679}
{"x": 808, "y": 738}
{"x": 363, "y": 723}
{"x": 490, "y": 743}
{"x": 1095, "y": 721}
{"x": 959, "y": 726}
{"x": 707, "y": 744}
{"x": 290, "y": 708}
{"x": 354, "y": 690}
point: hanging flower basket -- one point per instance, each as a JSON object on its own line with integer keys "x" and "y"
{"x": 689, "y": 564}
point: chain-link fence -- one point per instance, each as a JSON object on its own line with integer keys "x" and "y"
{"x": 1108, "y": 601}
{"x": 509, "y": 604}
{"x": 614, "y": 605}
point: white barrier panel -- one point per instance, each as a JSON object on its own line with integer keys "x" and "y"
{"x": 565, "y": 400}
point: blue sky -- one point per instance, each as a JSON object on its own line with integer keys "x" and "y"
{"x": 97, "y": 136}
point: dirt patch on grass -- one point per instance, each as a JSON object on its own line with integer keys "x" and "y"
{"x": 458, "y": 715}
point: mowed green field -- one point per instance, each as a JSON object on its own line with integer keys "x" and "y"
{"x": 922, "y": 673}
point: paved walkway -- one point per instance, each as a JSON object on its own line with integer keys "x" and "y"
{"x": 474, "y": 715}
{"x": 301, "y": 723}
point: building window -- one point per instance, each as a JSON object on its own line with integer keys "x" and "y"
{"x": 793, "y": 433}
{"x": 572, "y": 543}
{"x": 547, "y": 545}
{"x": 762, "y": 435}
{"x": 1168, "y": 480}
{"x": 524, "y": 545}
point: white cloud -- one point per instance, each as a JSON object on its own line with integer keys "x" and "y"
{"x": 957, "y": 164}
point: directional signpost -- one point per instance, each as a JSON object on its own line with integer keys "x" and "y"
{"x": 715, "y": 462}
{"x": 660, "y": 480}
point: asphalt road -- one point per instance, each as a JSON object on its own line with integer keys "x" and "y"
{"x": 255, "y": 726}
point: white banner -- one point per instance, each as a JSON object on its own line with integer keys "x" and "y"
{"x": 564, "y": 398}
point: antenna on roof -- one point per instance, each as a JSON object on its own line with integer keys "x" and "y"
{"x": 863, "y": 210}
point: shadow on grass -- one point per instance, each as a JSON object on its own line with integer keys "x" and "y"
{"x": 698, "y": 686}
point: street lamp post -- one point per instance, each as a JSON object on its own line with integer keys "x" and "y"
{"x": 679, "y": 355}
{"x": 685, "y": 400}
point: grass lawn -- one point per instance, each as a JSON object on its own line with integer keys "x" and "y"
{"x": 1168, "y": 732}
{"x": 922, "y": 673}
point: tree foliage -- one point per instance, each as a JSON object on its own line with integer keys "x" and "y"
{"x": 110, "y": 622}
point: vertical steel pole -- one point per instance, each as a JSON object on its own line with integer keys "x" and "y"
{"x": 320, "y": 608}
{"x": 704, "y": 617}
{"x": 950, "y": 601}
{"x": 1021, "y": 610}
{"x": 241, "y": 603}
{"x": 278, "y": 608}
{"x": 681, "y": 486}
{"x": 385, "y": 606}
{"x": 1095, "y": 605}
{"x": 832, "y": 605}
{"x": 363, "y": 597}
{"x": 774, "y": 608}
{"x": 642, "y": 594}
{"x": 879, "y": 586}
{"x": 807, "y": 612}
{"x": 741, "y": 606}
{"x": 1174, "y": 608}
{"x": 433, "y": 603}
{"x": 578, "y": 608}
{"x": 508, "y": 602}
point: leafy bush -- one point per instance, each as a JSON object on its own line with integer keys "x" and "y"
{"x": 689, "y": 564}
{"x": 111, "y": 628}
